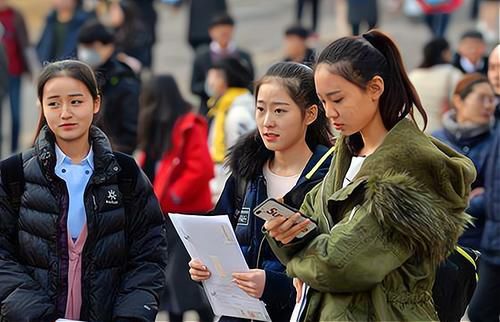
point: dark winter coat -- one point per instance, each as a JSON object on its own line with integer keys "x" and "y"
{"x": 477, "y": 148}
{"x": 362, "y": 10}
{"x": 124, "y": 256}
{"x": 482, "y": 70}
{"x": 46, "y": 44}
{"x": 490, "y": 244}
{"x": 201, "y": 13}
{"x": 120, "y": 107}
{"x": 279, "y": 293}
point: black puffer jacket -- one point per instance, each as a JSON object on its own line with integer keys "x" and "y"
{"x": 123, "y": 259}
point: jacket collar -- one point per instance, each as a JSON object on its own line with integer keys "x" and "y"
{"x": 105, "y": 164}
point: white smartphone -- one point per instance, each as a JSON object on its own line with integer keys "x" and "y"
{"x": 271, "y": 208}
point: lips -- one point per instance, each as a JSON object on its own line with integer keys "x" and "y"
{"x": 67, "y": 125}
{"x": 271, "y": 136}
{"x": 338, "y": 126}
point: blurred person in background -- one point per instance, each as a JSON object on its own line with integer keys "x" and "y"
{"x": 359, "y": 11}
{"x": 435, "y": 79}
{"x": 149, "y": 17}
{"x": 132, "y": 36}
{"x": 437, "y": 14}
{"x": 314, "y": 6}
{"x": 296, "y": 49}
{"x": 471, "y": 53}
{"x": 21, "y": 57}
{"x": 231, "y": 113}
{"x": 488, "y": 21}
{"x": 4, "y": 85}
{"x": 119, "y": 84}
{"x": 484, "y": 304}
{"x": 468, "y": 128}
{"x": 174, "y": 155}
{"x": 59, "y": 37}
{"x": 201, "y": 15}
{"x": 494, "y": 75}
{"x": 222, "y": 45}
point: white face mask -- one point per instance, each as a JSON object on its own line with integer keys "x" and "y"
{"x": 209, "y": 91}
{"x": 89, "y": 56}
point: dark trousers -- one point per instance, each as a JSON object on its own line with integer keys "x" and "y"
{"x": 355, "y": 27}
{"x": 15, "y": 111}
{"x": 485, "y": 303}
{"x": 437, "y": 23}
{"x": 315, "y": 11}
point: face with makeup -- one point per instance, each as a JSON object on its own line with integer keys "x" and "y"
{"x": 282, "y": 124}
{"x": 68, "y": 108}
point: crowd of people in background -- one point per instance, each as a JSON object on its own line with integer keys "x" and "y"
{"x": 248, "y": 139}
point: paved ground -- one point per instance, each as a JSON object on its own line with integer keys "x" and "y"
{"x": 260, "y": 24}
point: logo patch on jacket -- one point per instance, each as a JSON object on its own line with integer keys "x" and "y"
{"x": 111, "y": 198}
{"x": 243, "y": 219}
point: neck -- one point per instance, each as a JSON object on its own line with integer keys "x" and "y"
{"x": 65, "y": 15}
{"x": 76, "y": 150}
{"x": 373, "y": 135}
{"x": 300, "y": 57}
{"x": 292, "y": 160}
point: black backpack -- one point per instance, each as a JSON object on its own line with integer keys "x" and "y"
{"x": 12, "y": 174}
{"x": 456, "y": 280}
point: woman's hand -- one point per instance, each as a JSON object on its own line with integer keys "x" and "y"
{"x": 285, "y": 230}
{"x": 298, "y": 284}
{"x": 252, "y": 282}
{"x": 198, "y": 271}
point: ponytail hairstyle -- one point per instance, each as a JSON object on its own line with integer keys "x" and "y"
{"x": 360, "y": 58}
{"x": 250, "y": 154}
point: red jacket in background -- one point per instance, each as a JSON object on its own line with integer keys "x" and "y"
{"x": 444, "y": 7}
{"x": 182, "y": 178}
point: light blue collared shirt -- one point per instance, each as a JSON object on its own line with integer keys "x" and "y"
{"x": 76, "y": 176}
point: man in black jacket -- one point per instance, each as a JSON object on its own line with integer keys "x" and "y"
{"x": 119, "y": 84}
{"x": 222, "y": 46}
{"x": 470, "y": 56}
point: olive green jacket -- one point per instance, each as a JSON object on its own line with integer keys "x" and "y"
{"x": 380, "y": 239}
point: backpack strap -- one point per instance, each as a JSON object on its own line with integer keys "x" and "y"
{"x": 127, "y": 177}
{"x": 12, "y": 174}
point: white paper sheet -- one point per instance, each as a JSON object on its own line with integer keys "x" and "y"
{"x": 211, "y": 239}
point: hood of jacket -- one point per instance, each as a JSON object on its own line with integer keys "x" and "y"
{"x": 405, "y": 181}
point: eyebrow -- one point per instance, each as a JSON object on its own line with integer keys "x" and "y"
{"x": 333, "y": 92}
{"x": 274, "y": 102}
{"x": 70, "y": 95}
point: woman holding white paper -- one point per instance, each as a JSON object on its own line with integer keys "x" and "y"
{"x": 287, "y": 155}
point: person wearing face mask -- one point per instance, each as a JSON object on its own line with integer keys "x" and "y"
{"x": 468, "y": 128}
{"x": 119, "y": 83}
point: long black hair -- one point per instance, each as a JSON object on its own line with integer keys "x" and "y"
{"x": 360, "y": 58}
{"x": 161, "y": 104}
{"x": 250, "y": 154}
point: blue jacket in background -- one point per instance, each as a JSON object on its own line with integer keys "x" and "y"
{"x": 490, "y": 242}
{"x": 46, "y": 45}
{"x": 478, "y": 150}
{"x": 279, "y": 293}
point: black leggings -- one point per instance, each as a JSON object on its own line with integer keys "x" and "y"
{"x": 485, "y": 303}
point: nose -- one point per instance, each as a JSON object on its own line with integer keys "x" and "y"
{"x": 330, "y": 111}
{"x": 269, "y": 120}
{"x": 66, "y": 111}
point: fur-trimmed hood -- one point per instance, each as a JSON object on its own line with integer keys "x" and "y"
{"x": 417, "y": 190}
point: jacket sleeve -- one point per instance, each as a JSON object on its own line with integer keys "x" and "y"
{"x": 138, "y": 297}
{"x": 198, "y": 166}
{"x": 238, "y": 122}
{"x": 354, "y": 257}
{"x": 21, "y": 297}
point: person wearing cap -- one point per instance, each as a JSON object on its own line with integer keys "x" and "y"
{"x": 296, "y": 49}
{"x": 470, "y": 56}
{"x": 221, "y": 32}
{"x": 231, "y": 112}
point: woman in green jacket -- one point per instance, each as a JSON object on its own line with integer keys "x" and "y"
{"x": 390, "y": 208}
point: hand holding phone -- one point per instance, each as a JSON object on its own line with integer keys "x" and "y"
{"x": 271, "y": 208}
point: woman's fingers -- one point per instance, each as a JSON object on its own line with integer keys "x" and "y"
{"x": 198, "y": 271}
